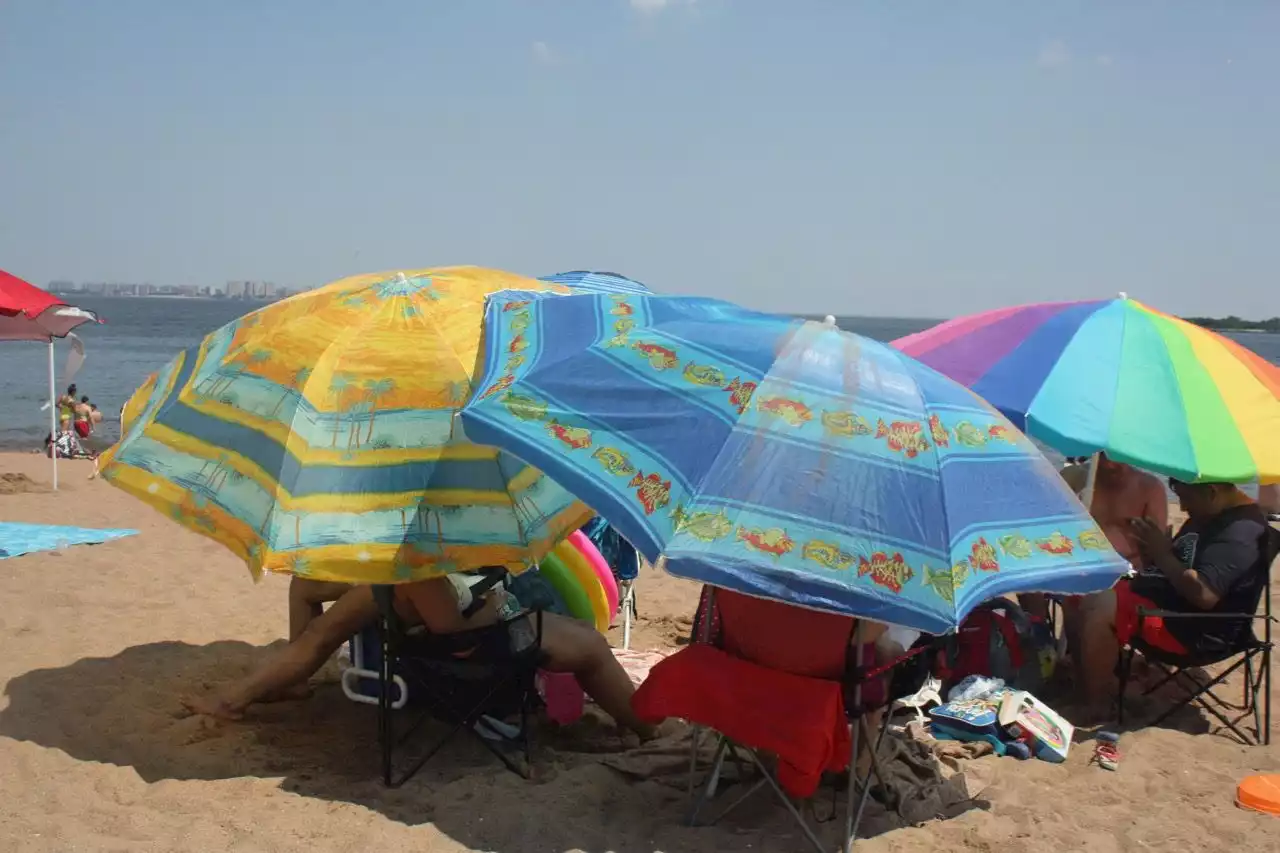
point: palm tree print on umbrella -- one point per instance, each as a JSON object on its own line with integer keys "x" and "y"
{"x": 237, "y": 364}
{"x": 339, "y": 386}
{"x": 375, "y": 390}
{"x": 214, "y": 478}
{"x": 293, "y": 389}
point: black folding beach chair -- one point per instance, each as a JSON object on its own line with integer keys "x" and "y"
{"x": 472, "y": 681}
{"x": 1249, "y": 653}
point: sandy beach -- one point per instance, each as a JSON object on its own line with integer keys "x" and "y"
{"x": 96, "y": 754}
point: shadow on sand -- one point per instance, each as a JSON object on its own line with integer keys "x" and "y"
{"x": 124, "y": 710}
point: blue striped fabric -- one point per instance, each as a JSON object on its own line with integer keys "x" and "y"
{"x": 780, "y": 458}
{"x": 596, "y": 282}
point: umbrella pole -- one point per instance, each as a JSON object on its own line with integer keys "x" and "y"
{"x": 1091, "y": 480}
{"x": 847, "y": 843}
{"x": 53, "y": 417}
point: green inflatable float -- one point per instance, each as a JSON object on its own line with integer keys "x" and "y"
{"x": 566, "y": 585}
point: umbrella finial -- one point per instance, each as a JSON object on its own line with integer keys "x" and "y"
{"x": 1122, "y": 295}
{"x": 829, "y": 320}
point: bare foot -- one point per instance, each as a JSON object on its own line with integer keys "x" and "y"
{"x": 211, "y": 705}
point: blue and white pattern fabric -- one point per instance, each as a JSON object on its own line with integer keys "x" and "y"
{"x": 781, "y": 458}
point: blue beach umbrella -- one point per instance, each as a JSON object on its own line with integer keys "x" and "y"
{"x": 781, "y": 458}
{"x": 584, "y": 281}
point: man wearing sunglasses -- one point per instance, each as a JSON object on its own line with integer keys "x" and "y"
{"x": 1217, "y": 562}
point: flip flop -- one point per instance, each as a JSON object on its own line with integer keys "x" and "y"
{"x": 1106, "y": 754}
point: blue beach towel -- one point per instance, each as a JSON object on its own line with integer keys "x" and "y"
{"x": 17, "y": 539}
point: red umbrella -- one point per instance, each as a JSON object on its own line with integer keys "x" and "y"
{"x": 28, "y": 313}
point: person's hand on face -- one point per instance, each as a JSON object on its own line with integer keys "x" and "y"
{"x": 1153, "y": 540}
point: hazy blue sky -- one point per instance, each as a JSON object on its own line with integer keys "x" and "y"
{"x": 905, "y": 158}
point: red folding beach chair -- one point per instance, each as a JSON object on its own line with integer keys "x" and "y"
{"x": 776, "y": 679}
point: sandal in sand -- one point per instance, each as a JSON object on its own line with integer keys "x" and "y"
{"x": 1106, "y": 754}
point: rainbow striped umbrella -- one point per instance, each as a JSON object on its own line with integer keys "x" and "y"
{"x": 1116, "y": 375}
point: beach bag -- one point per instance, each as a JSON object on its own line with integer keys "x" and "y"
{"x": 975, "y": 719}
{"x": 1000, "y": 640}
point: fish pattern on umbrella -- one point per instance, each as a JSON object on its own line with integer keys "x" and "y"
{"x": 781, "y": 458}
{"x": 318, "y": 436}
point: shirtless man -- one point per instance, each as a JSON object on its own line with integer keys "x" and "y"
{"x": 1120, "y": 493}
{"x": 83, "y": 417}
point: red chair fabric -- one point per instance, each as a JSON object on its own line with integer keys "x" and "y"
{"x": 784, "y": 637}
{"x": 798, "y": 718}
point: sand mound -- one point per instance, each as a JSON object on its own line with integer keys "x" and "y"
{"x": 17, "y": 484}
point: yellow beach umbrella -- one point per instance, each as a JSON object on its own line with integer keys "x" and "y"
{"x": 317, "y": 436}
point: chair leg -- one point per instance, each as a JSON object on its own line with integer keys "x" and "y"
{"x": 854, "y": 819}
{"x": 385, "y": 734}
{"x": 628, "y": 612}
{"x": 724, "y": 750}
{"x": 1266, "y": 695}
{"x": 1126, "y": 668}
{"x": 1248, "y": 682}
{"x": 1254, "y": 699}
{"x": 1198, "y": 694}
{"x": 695, "y": 741}
{"x": 713, "y": 779}
{"x": 786, "y": 801}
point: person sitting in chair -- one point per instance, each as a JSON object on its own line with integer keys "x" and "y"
{"x": 1120, "y": 494}
{"x": 1217, "y": 563}
{"x": 437, "y": 604}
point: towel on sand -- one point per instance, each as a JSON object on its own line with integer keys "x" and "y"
{"x": 17, "y": 539}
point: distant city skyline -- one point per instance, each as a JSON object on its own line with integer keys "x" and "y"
{"x": 242, "y": 289}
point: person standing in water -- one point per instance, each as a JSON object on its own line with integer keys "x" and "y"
{"x": 83, "y": 417}
{"x": 67, "y": 403}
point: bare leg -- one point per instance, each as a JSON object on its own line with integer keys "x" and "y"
{"x": 575, "y": 647}
{"x": 1035, "y": 604}
{"x": 306, "y": 602}
{"x": 867, "y": 747}
{"x": 868, "y": 633}
{"x": 296, "y": 662}
{"x": 1098, "y": 648}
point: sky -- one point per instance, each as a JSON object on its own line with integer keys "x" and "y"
{"x": 907, "y": 158}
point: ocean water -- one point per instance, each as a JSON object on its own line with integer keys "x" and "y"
{"x": 141, "y": 335}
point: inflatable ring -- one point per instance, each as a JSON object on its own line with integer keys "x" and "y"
{"x": 604, "y": 574}
{"x": 587, "y": 582}
{"x": 566, "y": 586}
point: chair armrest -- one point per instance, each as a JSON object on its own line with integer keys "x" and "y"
{"x": 536, "y": 613}
{"x": 1177, "y": 614}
